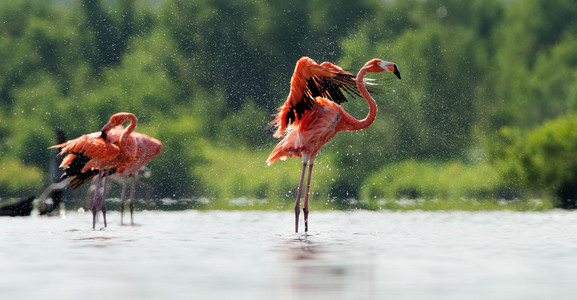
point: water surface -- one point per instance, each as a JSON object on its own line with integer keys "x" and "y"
{"x": 254, "y": 255}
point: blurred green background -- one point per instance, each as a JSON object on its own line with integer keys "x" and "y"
{"x": 485, "y": 116}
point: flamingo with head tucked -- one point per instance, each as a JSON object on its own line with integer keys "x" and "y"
{"x": 312, "y": 115}
{"x": 100, "y": 154}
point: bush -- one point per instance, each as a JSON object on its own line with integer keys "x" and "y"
{"x": 432, "y": 180}
{"x": 542, "y": 160}
{"x": 17, "y": 179}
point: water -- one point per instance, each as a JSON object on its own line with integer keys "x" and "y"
{"x": 254, "y": 255}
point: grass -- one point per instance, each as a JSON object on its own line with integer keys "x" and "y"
{"x": 241, "y": 180}
{"x": 18, "y": 178}
{"x": 444, "y": 186}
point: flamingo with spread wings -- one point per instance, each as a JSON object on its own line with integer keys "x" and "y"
{"x": 312, "y": 113}
{"x": 114, "y": 149}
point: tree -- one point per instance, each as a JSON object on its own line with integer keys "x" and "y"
{"x": 109, "y": 36}
{"x": 541, "y": 161}
{"x": 529, "y": 31}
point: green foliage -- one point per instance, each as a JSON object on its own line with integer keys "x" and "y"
{"x": 441, "y": 63}
{"x": 18, "y": 179}
{"x": 542, "y": 160}
{"x": 435, "y": 185}
{"x": 277, "y": 183}
{"x": 532, "y": 41}
{"x": 181, "y": 152}
{"x": 246, "y": 127}
{"x": 206, "y": 76}
{"x": 429, "y": 180}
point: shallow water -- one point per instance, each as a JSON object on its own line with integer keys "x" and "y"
{"x": 254, "y": 255}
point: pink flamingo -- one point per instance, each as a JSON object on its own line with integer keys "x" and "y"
{"x": 311, "y": 115}
{"x": 146, "y": 149}
{"x": 113, "y": 149}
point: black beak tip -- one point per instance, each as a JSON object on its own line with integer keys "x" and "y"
{"x": 396, "y": 72}
{"x": 103, "y": 134}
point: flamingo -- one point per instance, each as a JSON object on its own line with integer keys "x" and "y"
{"x": 100, "y": 154}
{"x": 312, "y": 115}
{"x": 146, "y": 149}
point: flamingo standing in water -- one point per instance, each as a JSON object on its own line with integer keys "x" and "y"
{"x": 100, "y": 154}
{"x": 311, "y": 115}
{"x": 146, "y": 149}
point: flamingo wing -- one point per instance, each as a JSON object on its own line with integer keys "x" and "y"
{"x": 97, "y": 150}
{"x": 86, "y": 155}
{"x": 336, "y": 86}
{"x": 146, "y": 149}
{"x": 309, "y": 81}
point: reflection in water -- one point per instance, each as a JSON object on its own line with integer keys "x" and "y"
{"x": 319, "y": 269}
{"x": 302, "y": 248}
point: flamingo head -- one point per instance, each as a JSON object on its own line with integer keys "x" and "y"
{"x": 117, "y": 120}
{"x": 376, "y": 66}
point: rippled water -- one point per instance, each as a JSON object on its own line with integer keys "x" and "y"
{"x": 254, "y": 255}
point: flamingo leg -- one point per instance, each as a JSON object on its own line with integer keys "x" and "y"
{"x": 298, "y": 201}
{"x": 94, "y": 206}
{"x": 306, "y": 203}
{"x": 134, "y": 179}
{"x": 122, "y": 196}
{"x": 106, "y": 175}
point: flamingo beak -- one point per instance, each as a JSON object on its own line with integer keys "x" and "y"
{"x": 395, "y": 70}
{"x": 103, "y": 134}
{"x": 391, "y": 67}
{"x": 105, "y": 129}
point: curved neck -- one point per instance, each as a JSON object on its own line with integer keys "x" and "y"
{"x": 128, "y": 129}
{"x": 354, "y": 124}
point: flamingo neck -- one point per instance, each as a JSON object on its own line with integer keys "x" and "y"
{"x": 354, "y": 124}
{"x": 128, "y": 129}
